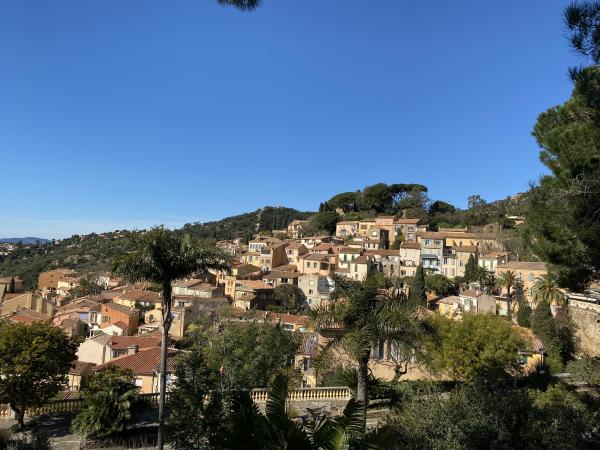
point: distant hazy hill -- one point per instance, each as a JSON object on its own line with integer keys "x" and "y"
{"x": 24, "y": 240}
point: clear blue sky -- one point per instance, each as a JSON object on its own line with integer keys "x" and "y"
{"x": 127, "y": 113}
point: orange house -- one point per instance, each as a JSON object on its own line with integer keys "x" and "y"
{"x": 126, "y": 317}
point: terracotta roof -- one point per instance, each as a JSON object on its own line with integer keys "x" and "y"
{"x": 139, "y": 295}
{"x": 465, "y": 249}
{"x": 121, "y": 308}
{"x": 348, "y": 222}
{"x": 28, "y": 316}
{"x": 289, "y": 318}
{"x": 383, "y": 252}
{"x": 413, "y": 245}
{"x": 316, "y": 257}
{"x": 362, "y": 259}
{"x": 294, "y": 245}
{"x": 286, "y": 267}
{"x": 349, "y": 250}
{"x": 407, "y": 221}
{"x": 524, "y": 265}
{"x": 255, "y": 284}
{"x": 144, "y": 362}
{"x": 122, "y": 342}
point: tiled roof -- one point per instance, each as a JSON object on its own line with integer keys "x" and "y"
{"x": 255, "y": 284}
{"x": 144, "y": 362}
{"x": 121, "y": 308}
{"x": 139, "y": 295}
{"x": 465, "y": 249}
{"x": 316, "y": 257}
{"x": 294, "y": 245}
{"x": 122, "y": 342}
{"x": 362, "y": 259}
{"x": 28, "y": 316}
{"x": 349, "y": 250}
{"x": 407, "y": 221}
{"x": 288, "y": 318}
{"x": 523, "y": 265}
{"x": 413, "y": 245}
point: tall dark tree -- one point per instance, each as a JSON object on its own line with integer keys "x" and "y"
{"x": 471, "y": 270}
{"x": 417, "y": 294}
{"x": 162, "y": 257}
{"x": 384, "y": 240}
{"x": 564, "y": 213}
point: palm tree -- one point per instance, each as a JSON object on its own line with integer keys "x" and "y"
{"x": 508, "y": 280}
{"x": 161, "y": 256}
{"x": 545, "y": 289}
{"x": 360, "y": 314}
{"x": 481, "y": 274}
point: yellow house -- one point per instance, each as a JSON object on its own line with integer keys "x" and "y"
{"x": 526, "y": 271}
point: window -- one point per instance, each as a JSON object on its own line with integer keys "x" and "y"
{"x": 427, "y": 242}
{"x": 311, "y": 282}
{"x": 138, "y": 382}
{"x": 531, "y": 278}
{"x": 438, "y": 242}
{"x": 462, "y": 263}
{"x": 445, "y": 260}
{"x": 310, "y": 291}
{"x": 105, "y": 319}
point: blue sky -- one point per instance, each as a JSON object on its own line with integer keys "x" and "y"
{"x": 127, "y": 113}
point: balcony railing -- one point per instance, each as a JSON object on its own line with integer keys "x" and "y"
{"x": 73, "y": 405}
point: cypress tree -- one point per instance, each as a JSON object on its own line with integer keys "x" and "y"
{"x": 417, "y": 294}
{"x": 542, "y": 325}
{"x": 384, "y": 240}
{"x": 524, "y": 314}
{"x": 471, "y": 270}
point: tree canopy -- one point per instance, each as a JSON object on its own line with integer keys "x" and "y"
{"x": 34, "y": 362}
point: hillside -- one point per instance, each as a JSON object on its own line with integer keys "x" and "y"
{"x": 94, "y": 252}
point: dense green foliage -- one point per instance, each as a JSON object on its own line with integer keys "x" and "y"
{"x": 251, "y": 353}
{"x": 480, "y": 347}
{"x": 34, "y": 362}
{"x": 289, "y": 298}
{"x": 473, "y": 418}
{"x": 524, "y": 314}
{"x": 586, "y": 369}
{"x": 542, "y": 324}
{"x": 111, "y": 403}
{"x": 194, "y": 423}
{"x": 563, "y": 219}
{"x": 417, "y": 293}
{"x": 441, "y": 285}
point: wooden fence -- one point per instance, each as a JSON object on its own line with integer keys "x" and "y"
{"x": 73, "y": 405}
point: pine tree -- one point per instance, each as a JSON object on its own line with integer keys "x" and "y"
{"x": 417, "y": 294}
{"x": 471, "y": 270}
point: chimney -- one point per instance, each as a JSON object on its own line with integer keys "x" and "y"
{"x": 132, "y": 349}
